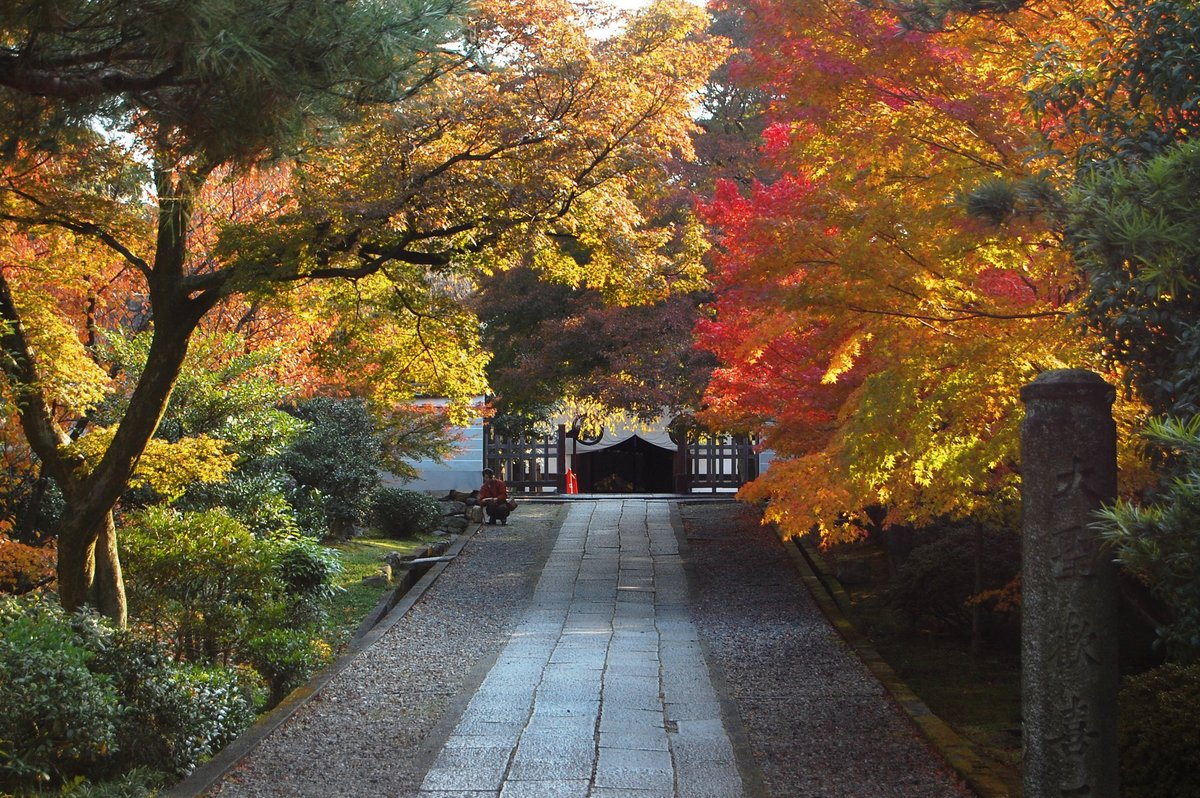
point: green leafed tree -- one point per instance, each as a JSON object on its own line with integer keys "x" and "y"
{"x": 185, "y": 88}
{"x": 420, "y": 143}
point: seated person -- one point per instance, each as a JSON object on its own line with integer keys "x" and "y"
{"x": 493, "y": 496}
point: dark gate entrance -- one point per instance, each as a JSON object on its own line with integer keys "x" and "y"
{"x": 631, "y": 466}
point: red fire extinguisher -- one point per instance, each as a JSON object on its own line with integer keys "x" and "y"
{"x": 572, "y": 482}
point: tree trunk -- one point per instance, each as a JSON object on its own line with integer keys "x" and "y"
{"x": 27, "y": 531}
{"x": 87, "y": 571}
{"x": 89, "y": 566}
{"x": 977, "y": 608}
{"x": 341, "y": 529}
{"x": 76, "y": 565}
{"x": 108, "y": 587}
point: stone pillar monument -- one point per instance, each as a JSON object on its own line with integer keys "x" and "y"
{"x": 1068, "y": 588}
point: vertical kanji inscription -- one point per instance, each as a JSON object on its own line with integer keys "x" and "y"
{"x": 1069, "y": 657}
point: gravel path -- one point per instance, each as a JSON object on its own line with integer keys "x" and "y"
{"x": 373, "y": 730}
{"x": 815, "y": 721}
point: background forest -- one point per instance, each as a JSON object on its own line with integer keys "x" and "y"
{"x": 238, "y": 239}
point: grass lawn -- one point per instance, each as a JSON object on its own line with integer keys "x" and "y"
{"x": 362, "y": 557}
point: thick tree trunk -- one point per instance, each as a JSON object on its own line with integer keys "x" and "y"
{"x": 89, "y": 570}
{"x": 89, "y": 562}
{"x": 108, "y": 586}
{"x": 89, "y": 566}
{"x": 76, "y": 565}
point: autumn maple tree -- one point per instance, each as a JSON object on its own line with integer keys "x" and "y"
{"x": 555, "y": 346}
{"x": 565, "y": 351}
{"x": 868, "y": 326}
{"x": 421, "y": 145}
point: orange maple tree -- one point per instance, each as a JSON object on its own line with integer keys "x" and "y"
{"x": 872, "y": 331}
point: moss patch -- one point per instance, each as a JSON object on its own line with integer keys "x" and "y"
{"x": 978, "y": 695}
{"x": 362, "y": 557}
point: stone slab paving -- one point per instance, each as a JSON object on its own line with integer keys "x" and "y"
{"x": 602, "y": 691}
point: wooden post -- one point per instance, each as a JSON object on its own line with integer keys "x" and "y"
{"x": 487, "y": 444}
{"x": 562, "y": 458}
{"x": 683, "y": 483}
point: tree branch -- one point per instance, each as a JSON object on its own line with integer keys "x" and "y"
{"x": 96, "y": 82}
{"x": 963, "y": 314}
{"x": 75, "y": 226}
{"x": 37, "y": 419}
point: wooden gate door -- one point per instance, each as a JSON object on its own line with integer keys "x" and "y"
{"x": 718, "y": 462}
{"x": 527, "y": 463}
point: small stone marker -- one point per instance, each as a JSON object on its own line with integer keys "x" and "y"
{"x": 1068, "y": 588}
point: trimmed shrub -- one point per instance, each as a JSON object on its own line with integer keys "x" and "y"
{"x": 173, "y": 716}
{"x": 199, "y": 578}
{"x": 57, "y": 718}
{"x": 405, "y": 513}
{"x": 79, "y": 699}
{"x": 1159, "y": 738}
{"x": 308, "y": 569}
{"x": 934, "y": 584}
{"x": 259, "y": 501}
{"x": 207, "y": 583}
{"x": 340, "y": 455}
{"x": 286, "y": 658}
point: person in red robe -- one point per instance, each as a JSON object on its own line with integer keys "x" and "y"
{"x": 493, "y": 496}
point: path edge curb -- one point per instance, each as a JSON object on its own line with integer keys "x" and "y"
{"x": 203, "y": 778}
{"x": 831, "y": 598}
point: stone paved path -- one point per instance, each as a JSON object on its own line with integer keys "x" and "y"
{"x": 559, "y": 656}
{"x": 602, "y": 690}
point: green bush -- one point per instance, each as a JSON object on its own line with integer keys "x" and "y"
{"x": 1159, "y": 737}
{"x": 208, "y": 584}
{"x": 173, "y": 715}
{"x": 405, "y": 513}
{"x": 312, "y": 510}
{"x": 259, "y": 501}
{"x": 308, "y": 572}
{"x": 199, "y": 579}
{"x": 57, "y": 718}
{"x": 308, "y": 569}
{"x": 286, "y": 658}
{"x": 79, "y": 699}
{"x": 933, "y": 585}
{"x": 340, "y": 455}
{"x": 1157, "y": 541}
